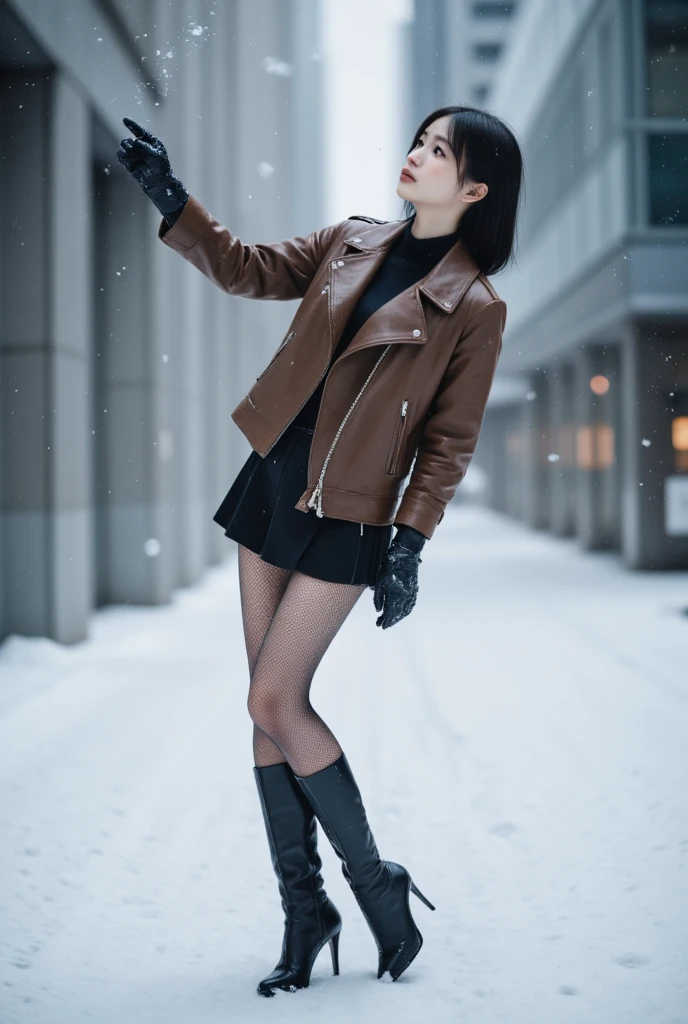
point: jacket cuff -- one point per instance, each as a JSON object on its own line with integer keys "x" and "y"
{"x": 424, "y": 515}
{"x": 192, "y": 223}
{"x": 410, "y": 538}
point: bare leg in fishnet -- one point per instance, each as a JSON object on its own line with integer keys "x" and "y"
{"x": 305, "y": 614}
{"x": 261, "y": 586}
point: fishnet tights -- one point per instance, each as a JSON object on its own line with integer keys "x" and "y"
{"x": 289, "y": 621}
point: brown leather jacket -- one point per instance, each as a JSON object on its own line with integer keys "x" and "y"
{"x": 409, "y": 392}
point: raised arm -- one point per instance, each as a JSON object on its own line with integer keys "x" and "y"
{"x": 267, "y": 270}
{"x": 278, "y": 270}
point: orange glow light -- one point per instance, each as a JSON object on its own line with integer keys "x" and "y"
{"x": 599, "y": 385}
{"x": 595, "y": 447}
{"x": 679, "y": 433}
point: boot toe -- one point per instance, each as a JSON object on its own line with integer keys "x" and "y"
{"x": 283, "y": 981}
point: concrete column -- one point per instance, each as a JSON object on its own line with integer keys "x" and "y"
{"x": 191, "y": 525}
{"x": 562, "y": 472}
{"x": 133, "y": 550}
{"x": 45, "y": 326}
{"x": 172, "y": 292}
{"x": 515, "y": 471}
{"x": 493, "y": 457}
{"x": 654, "y": 374}
{"x": 221, "y": 145}
{"x": 536, "y": 447}
{"x": 302, "y": 144}
{"x": 610, "y": 485}
{"x": 595, "y": 397}
{"x": 430, "y": 52}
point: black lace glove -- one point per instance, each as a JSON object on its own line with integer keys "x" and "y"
{"x": 146, "y": 159}
{"x": 396, "y": 587}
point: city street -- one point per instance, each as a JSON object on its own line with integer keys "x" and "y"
{"x": 520, "y": 743}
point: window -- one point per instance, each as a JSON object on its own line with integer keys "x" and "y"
{"x": 666, "y": 42}
{"x": 668, "y": 172}
{"x": 493, "y": 10}
{"x": 487, "y": 51}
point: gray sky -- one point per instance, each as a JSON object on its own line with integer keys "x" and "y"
{"x": 365, "y": 151}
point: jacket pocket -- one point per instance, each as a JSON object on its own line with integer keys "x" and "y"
{"x": 397, "y": 440}
{"x": 280, "y": 349}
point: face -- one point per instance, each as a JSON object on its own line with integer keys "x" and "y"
{"x": 433, "y": 166}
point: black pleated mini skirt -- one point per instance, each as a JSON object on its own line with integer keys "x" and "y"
{"x": 258, "y": 511}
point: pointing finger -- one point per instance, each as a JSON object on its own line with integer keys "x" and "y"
{"x": 138, "y": 130}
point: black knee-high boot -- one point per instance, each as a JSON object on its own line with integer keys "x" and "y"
{"x": 381, "y": 887}
{"x": 311, "y": 918}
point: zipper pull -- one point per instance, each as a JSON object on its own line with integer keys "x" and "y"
{"x": 404, "y": 406}
{"x": 315, "y": 500}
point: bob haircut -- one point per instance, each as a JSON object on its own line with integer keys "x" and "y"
{"x": 486, "y": 151}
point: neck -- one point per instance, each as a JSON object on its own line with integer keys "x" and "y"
{"x": 434, "y": 223}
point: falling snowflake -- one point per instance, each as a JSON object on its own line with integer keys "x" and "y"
{"x": 274, "y": 66}
{"x": 265, "y": 169}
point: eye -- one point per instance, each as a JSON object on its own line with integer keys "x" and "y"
{"x": 420, "y": 143}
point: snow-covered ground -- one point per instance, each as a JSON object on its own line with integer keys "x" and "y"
{"x": 521, "y": 745}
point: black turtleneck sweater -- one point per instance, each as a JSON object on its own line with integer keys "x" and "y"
{"x": 408, "y": 260}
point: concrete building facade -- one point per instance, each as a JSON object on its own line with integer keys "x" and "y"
{"x": 586, "y": 432}
{"x": 120, "y": 364}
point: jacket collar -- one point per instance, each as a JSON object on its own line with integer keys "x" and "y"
{"x": 448, "y": 280}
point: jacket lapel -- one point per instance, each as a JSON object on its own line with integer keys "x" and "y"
{"x": 397, "y": 320}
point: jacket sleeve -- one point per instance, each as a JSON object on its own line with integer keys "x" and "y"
{"x": 451, "y": 431}
{"x": 275, "y": 270}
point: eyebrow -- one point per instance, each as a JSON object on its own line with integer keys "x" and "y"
{"x": 440, "y": 137}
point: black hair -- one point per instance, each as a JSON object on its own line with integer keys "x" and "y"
{"x": 486, "y": 151}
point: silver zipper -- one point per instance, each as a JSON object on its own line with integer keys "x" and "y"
{"x": 395, "y": 453}
{"x": 315, "y": 500}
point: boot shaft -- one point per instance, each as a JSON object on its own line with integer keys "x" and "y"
{"x": 291, "y": 828}
{"x": 336, "y": 799}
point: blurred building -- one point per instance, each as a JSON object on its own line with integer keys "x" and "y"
{"x": 454, "y": 50}
{"x": 586, "y": 433}
{"x": 119, "y": 365}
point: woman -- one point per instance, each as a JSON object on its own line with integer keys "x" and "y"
{"x": 386, "y": 368}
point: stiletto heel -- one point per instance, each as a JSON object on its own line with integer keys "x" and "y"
{"x": 381, "y": 887}
{"x": 416, "y": 892}
{"x": 334, "y": 950}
